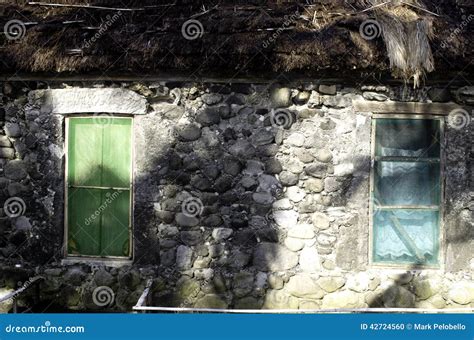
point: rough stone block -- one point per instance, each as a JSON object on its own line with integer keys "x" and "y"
{"x": 211, "y": 301}
{"x": 4, "y": 141}
{"x": 304, "y": 231}
{"x": 7, "y": 153}
{"x": 285, "y": 218}
{"x": 15, "y": 170}
{"x": 248, "y": 302}
{"x": 309, "y": 260}
{"x": 462, "y": 293}
{"x": 303, "y": 285}
{"x": 343, "y": 299}
{"x": 279, "y": 299}
{"x": 184, "y": 257}
{"x": 294, "y": 244}
{"x": 331, "y": 283}
{"x": 327, "y": 89}
{"x": 280, "y": 97}
{"x": 274, "y": 257}
{"x": 320, "y": 220}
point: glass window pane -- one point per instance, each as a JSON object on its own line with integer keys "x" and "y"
{"x": 406, "y": 236}
{"x": 407, "y": 183}
{"x": 407, "y": 137}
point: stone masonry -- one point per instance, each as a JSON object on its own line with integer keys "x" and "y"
{"x": 278, "y": 176}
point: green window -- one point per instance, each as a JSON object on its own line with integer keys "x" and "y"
{"x": 406, "y": 190}
{"x": 98, "y": 186}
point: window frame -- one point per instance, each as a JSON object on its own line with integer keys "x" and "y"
{"x": 441, "y": 229}
{"x": 97, "y": 258}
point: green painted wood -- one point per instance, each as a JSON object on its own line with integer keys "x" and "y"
{"x": 116, "y": 154}
{"x": 99, "y": 156}
{"x": 85, "y": 152}
{"x": 83, "y": 223}
{"x": 115, "y": 223}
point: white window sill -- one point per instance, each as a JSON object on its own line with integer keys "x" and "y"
{"x": 97, "y": 261}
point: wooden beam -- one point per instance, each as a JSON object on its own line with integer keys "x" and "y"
{"x": 94, "y": 7}
{"x": 181, "y": 76}
{"x": 442, "y": 109}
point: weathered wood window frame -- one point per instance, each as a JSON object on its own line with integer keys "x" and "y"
{"x": 438, "y": 160}
{"x": 67, "y": 254}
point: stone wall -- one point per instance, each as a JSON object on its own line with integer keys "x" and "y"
{"x": 246, "y": 196}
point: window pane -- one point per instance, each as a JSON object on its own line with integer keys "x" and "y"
{"x": 407, "y": 183}
{"x": 406, "y": 236}
{"x": 407, "y": 137}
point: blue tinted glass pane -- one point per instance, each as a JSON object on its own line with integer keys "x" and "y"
{"x": 407, "y": 137}
{"x": 407, "y": 183}
{"x": 406, "y": 236}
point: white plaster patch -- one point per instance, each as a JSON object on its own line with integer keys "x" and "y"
{"x": 87, "y": 100}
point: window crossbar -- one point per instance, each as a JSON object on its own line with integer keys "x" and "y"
{"x": 407, "y": 159}
{"x": 414, "y": 207}
{"x": 98, "y": 187}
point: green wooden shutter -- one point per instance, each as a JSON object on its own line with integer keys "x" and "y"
{"x": 99, "y": 181}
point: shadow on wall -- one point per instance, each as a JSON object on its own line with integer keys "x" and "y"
{"x": 210, "y": 211}
{"x": 205, "y": 199}
{"x": 29, "y": 179}
{"x": 203, "y": 209}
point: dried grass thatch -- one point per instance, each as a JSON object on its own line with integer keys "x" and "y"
{"x": 407, "y": 37}
{"x": 240, "y": 38}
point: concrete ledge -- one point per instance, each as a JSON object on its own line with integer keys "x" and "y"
{"x": 405, "y": 107}
{"x": 96, "y": 261}
{"x": 303, "y": 311}
{"x": 88, "y": 100}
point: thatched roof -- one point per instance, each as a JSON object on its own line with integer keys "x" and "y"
{"x": 239, "y": 38}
